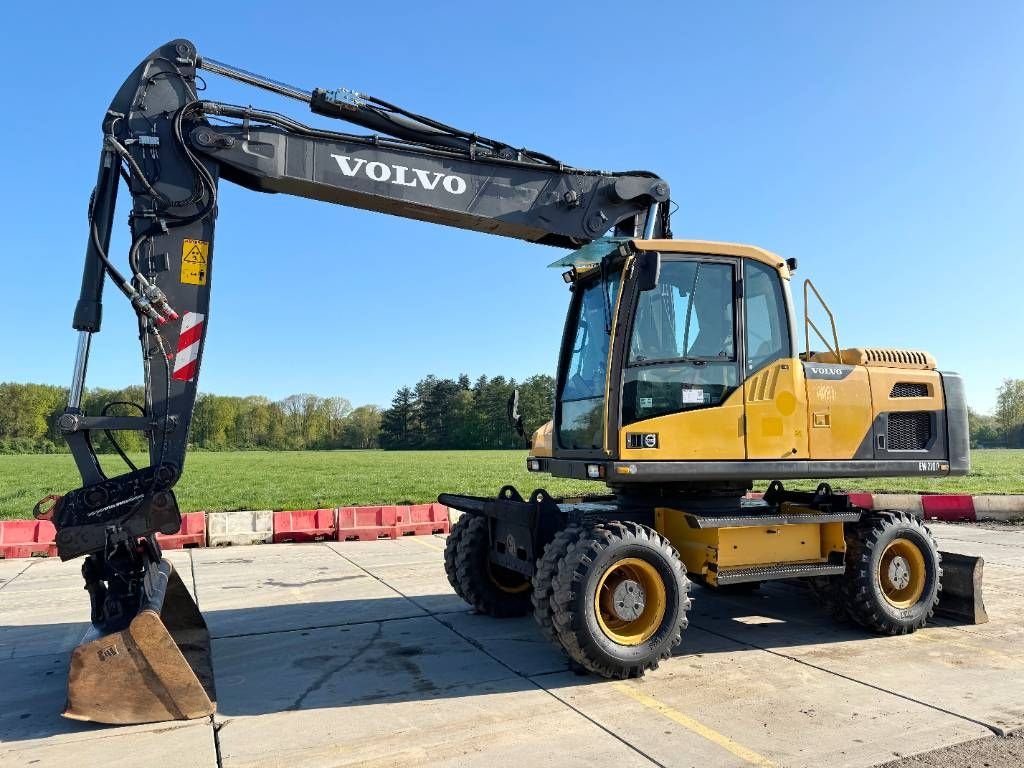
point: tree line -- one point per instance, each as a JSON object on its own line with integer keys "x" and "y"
{"x": 435, "y": 413}
{"x": 458, "y": 414}
{"x": 1005, "y": 427}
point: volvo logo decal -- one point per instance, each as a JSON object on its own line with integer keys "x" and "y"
{"x": 401, "y": 175}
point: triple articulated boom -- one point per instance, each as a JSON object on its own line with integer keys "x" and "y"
{"x": 172, "y": 148}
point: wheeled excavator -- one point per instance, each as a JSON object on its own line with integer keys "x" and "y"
{"x": 678, "y": 385}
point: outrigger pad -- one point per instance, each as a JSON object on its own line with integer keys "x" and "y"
{"x": 158, "y": 669}
{"x": 961, "y": 597}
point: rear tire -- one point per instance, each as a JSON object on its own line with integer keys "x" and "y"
{"x": 451, "y": 549}
{"x": 543, "y": 579}
{"x": 893, "y": 573}
{"x": 620, "y": 597}
{"x": 828, "y": 591}
{"x": 488, "y": 588}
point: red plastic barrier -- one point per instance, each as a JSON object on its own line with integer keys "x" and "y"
{"x": 422, "y": 520}
{"x": 304, "y": 525}
{"x": 191, "y": 534}
{"x": 366, "y": 523}
{"x": 27, "y": 538}
{"x": 863, "y": 500}
{"x": 948, "y": 507}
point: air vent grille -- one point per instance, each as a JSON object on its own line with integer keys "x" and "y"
{"x": 896, "y": 356}
{"x": 909, "y": 431}
{"x": 909, "y": 389}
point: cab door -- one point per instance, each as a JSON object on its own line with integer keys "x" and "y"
{"x": 774, "y": 394}
{"x": 681, "y": 395}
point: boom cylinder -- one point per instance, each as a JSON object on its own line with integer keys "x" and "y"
{"x": 89, "y": 310}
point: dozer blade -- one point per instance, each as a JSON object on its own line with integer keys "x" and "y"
{"x": 157, "y": 669}
{"x": 961, "y": 598}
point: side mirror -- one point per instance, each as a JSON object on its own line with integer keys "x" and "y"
{"x": 648, "y": 269}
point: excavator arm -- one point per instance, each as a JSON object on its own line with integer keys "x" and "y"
{"x": 173, "y": 149}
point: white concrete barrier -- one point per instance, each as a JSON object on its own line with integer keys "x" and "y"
{"x": 999, "y": 507}
{"x": 243, "y": 527}
{"x": 905, "y": 502}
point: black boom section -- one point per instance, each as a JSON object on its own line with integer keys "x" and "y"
{"x": 172, "y": 149}
{"x": 526, "y": 201}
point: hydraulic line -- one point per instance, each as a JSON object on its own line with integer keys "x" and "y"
{"x": 378, "y": 115}
{"x": 286, "y": 123}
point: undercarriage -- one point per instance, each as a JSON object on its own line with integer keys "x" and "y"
{"x": 608, "y": 578}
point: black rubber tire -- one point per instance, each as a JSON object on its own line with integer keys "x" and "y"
{"x": 543, "y": 579}
{"x": 451, "y": 547}
{"x": 575, "y": 585}
{"x": 473, "y": 574}
{"x": 828, "y": 591}
{"x": 862, "y": 593}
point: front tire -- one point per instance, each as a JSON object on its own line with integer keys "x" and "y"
{"x": 543, "y": 579}
{"x": 488, "y": 588}
{"x": 893, "y": 573}
{"x": 619, "y": 599}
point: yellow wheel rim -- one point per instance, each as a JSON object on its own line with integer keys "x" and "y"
{"x": 506, "y": 580}
{"x": 630, "y": 601}
{"x": 902, "y": 573}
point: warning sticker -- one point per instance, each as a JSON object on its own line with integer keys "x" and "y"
{"x": 194, "y": 262}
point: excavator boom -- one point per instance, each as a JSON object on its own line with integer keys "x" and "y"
{"x": 173, "y": 149}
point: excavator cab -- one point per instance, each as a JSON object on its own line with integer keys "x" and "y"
{"x": 695, "y": 376}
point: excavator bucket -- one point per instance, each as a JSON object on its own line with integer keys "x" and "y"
{"x": 157, "y": 669}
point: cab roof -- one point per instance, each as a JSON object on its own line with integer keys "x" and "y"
{"x": 716, "y": 249}
{"x": 591, "y": 254}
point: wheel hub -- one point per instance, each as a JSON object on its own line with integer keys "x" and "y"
{"x": 899, "y": 572}
{"x": 628, "y": 600}
{"x": 902, "y": 573}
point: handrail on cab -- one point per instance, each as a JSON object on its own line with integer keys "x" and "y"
{"x": 809, "y": 324}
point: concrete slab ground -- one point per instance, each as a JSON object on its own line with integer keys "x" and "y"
{"x": 358, "y": 653}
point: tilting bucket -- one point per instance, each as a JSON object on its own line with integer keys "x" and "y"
{"x": 961, "y": 597}
{"x": 157, "y": 669}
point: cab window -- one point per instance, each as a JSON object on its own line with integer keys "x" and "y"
{"x": 682, "y": 350}
{"x": 581, "y": 399}
{"x": 767, "y": 327}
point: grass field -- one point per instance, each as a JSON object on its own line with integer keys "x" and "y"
{"x": 303, "y": 480}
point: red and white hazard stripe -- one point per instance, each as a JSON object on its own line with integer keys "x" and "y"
{"x": 187, "y": 359}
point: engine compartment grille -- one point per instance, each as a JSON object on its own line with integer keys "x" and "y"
{"x": 909, "y": 389}
{"x": 910, "y": 431}
{"x": 898, "y": 356}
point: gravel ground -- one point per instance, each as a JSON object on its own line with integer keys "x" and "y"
{"x": 993, "y": 752}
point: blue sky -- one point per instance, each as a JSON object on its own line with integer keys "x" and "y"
{"x": 881, "y": 144}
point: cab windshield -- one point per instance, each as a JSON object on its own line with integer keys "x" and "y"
{"x": 581, "y": 398}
